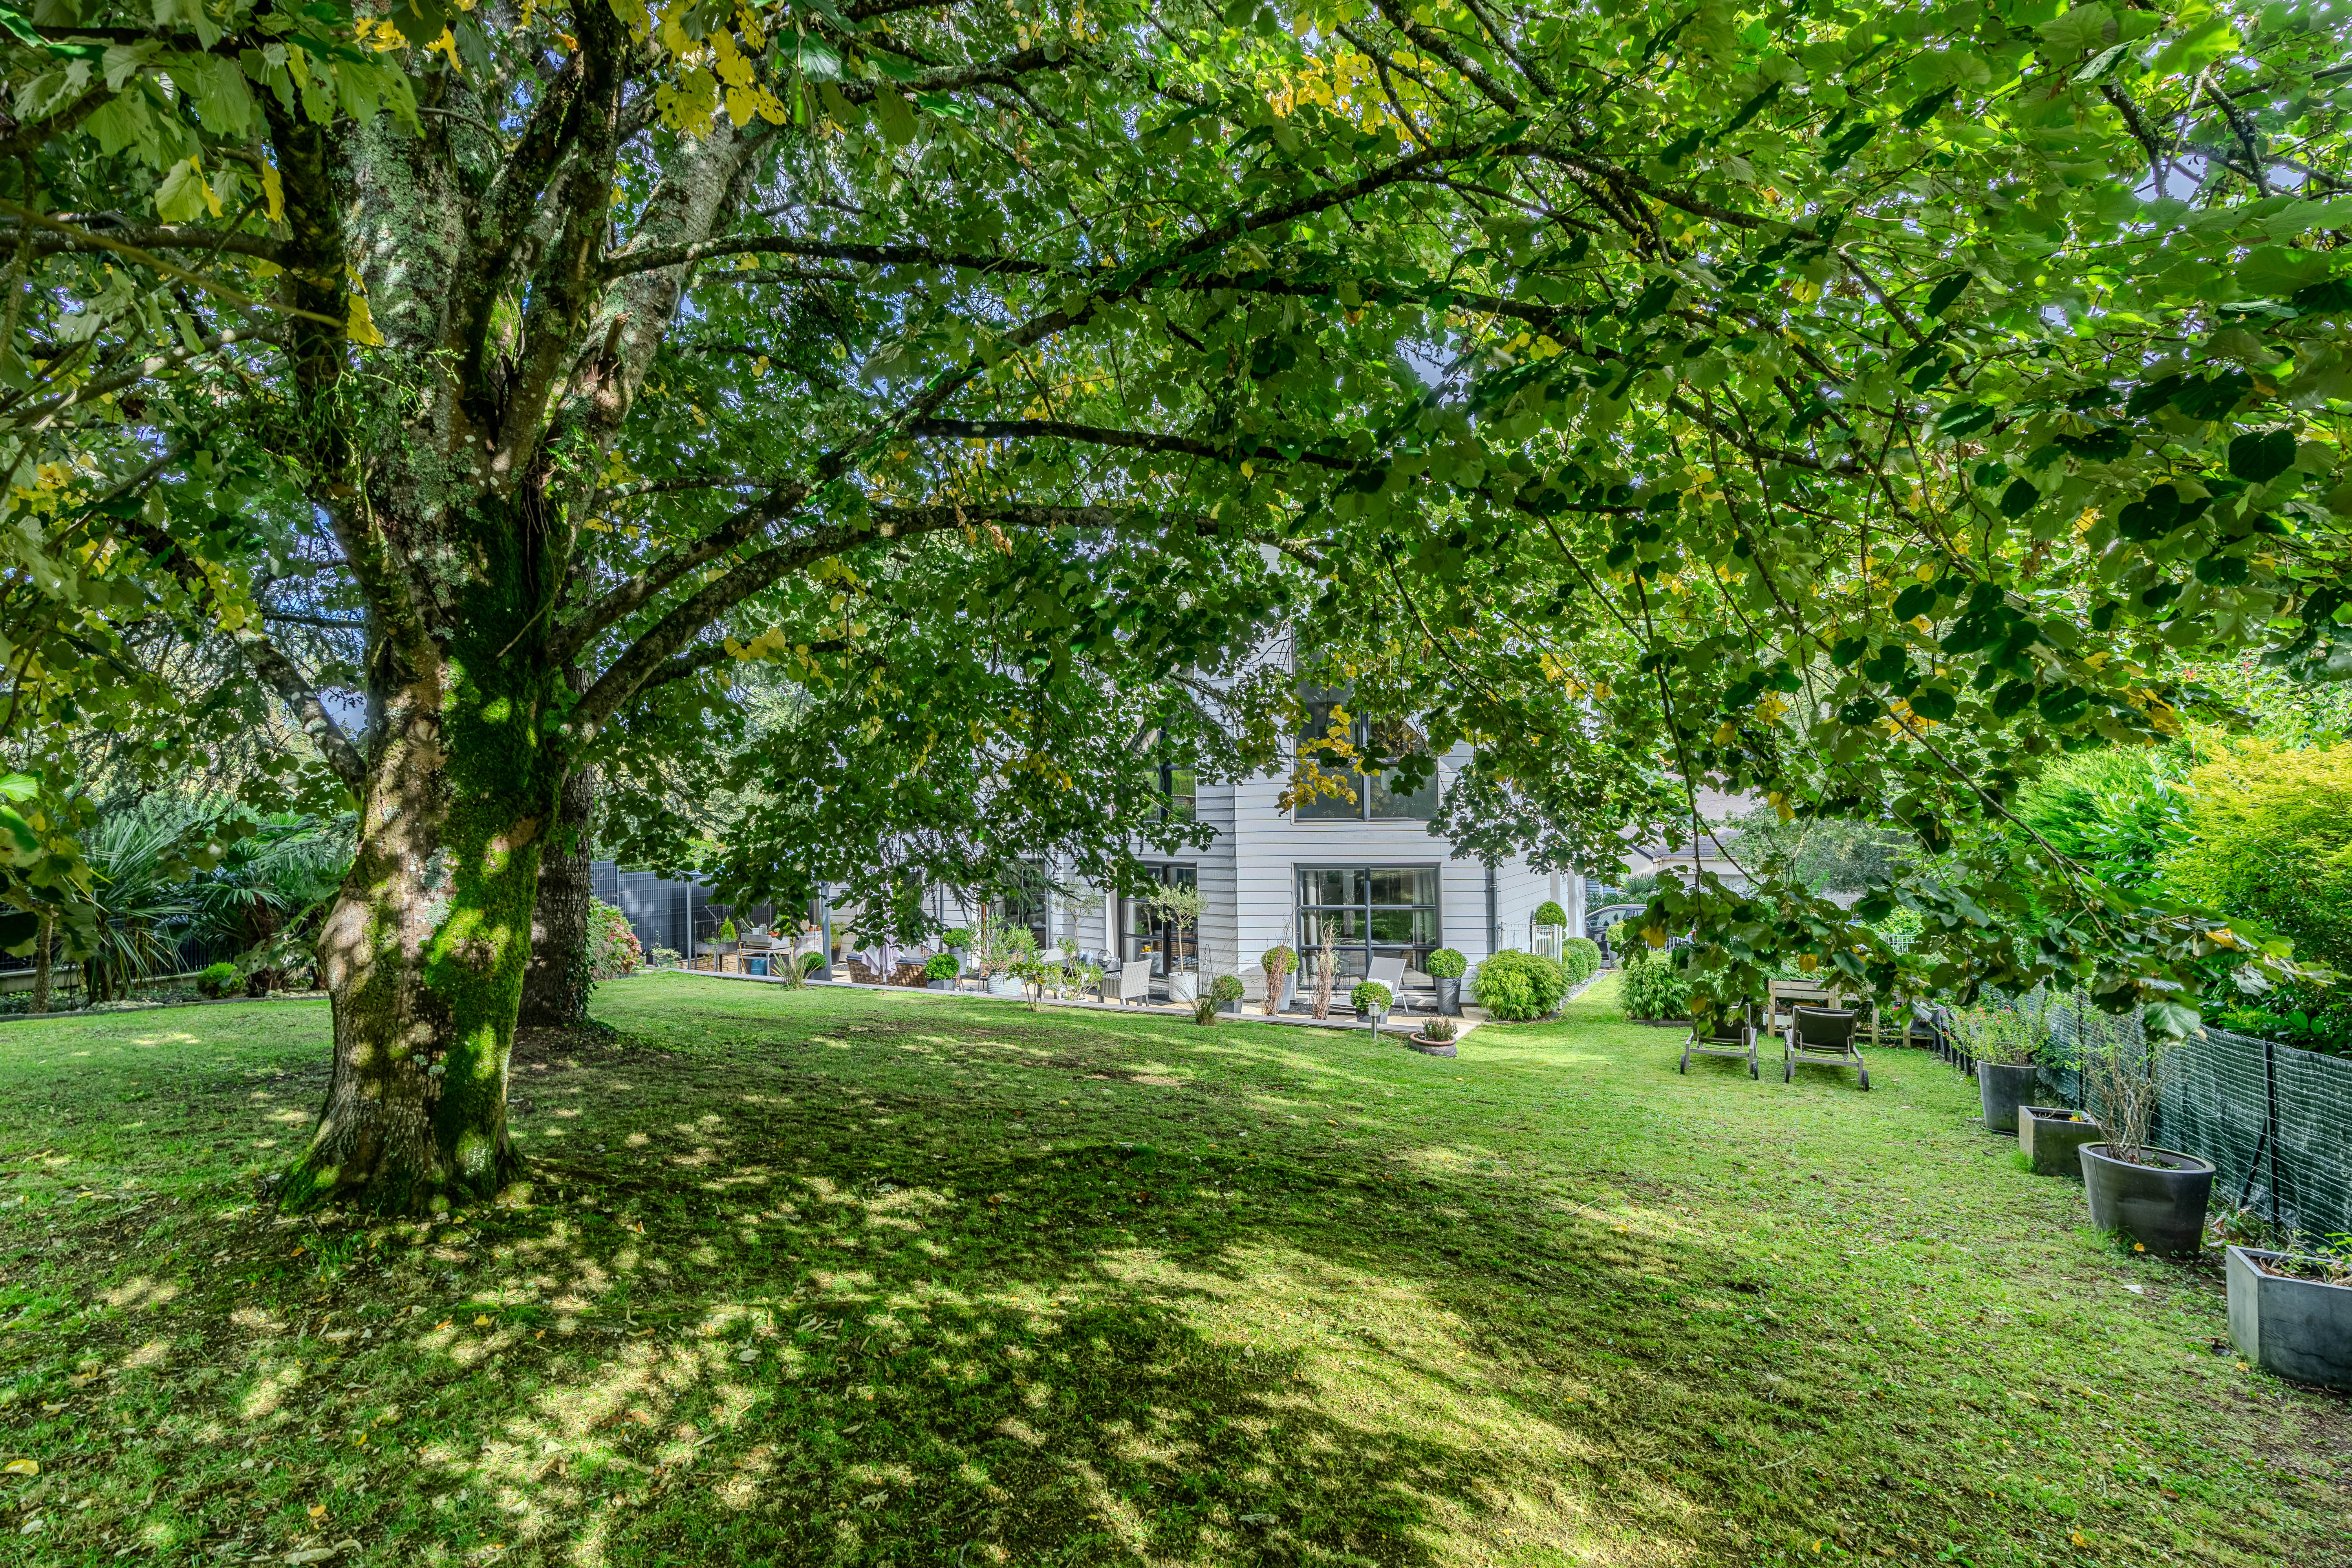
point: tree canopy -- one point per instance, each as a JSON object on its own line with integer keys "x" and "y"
{"x": 1856, "y": 404}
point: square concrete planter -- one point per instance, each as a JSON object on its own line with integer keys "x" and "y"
{"x": 2050, "y": 1136}
{"x": 2300, "y": 1330}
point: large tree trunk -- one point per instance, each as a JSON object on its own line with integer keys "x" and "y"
{"x": 555, "y": 985}
{"x": 424, "y": 950}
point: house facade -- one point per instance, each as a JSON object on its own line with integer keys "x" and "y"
{"x": 1367, "y": 869}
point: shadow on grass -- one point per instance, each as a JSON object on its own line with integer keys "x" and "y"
{"x": 839, "y": 1283}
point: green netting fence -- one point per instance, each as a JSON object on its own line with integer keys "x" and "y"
{"x": 2275, "y": 1122}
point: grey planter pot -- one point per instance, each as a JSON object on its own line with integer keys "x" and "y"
{"x": 2047, "y": 1136}
{"x": 939, "y": 985}
{"x": 1289, "y": 993}
{"x": 1003, "y": 986}
{"x": 2004, "y": 1088}
{"x": 2300, "y": 1330}
{"x": 1230, "y": 1009}
{"x": 1432, "y": 1047}
{"x": 1183, "y": 986}
{"x": 1449, "y": 996}
{"x": 2161, "y": 1206}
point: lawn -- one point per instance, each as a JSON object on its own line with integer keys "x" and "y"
{"x": 840, "y": 1276}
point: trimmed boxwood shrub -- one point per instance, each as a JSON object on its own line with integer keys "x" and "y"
{"x": 1549, "y": 913}
{"x": 217, "y": 980}
{"x": 1445, "y": 964}
{"x": 1228, "y": 988}
{"x": 1654, "y": 988}
{"x": 941, "y": 966}
{"x": 1371, "y": 996}
{"x": 1582, "y": 956}
{"x": 1517, "y": 986}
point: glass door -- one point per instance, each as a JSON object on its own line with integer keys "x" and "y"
{"x": 1370, "y": 911}
{"x": 1144, "y": 930}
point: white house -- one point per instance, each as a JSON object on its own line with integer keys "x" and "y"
{"x": 1368, "y": 868}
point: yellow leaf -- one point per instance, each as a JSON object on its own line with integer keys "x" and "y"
{"x": 734, "y": 69}
{"x": 360, "y": 326}
{"x": 273, "y": 190}
{"x": 318, "y": 1510}
{"x": 21, "y": 1467}
{"x": 482, "y": 1321}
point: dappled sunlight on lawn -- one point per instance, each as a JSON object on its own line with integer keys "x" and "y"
{"x": 847, "y": 1277}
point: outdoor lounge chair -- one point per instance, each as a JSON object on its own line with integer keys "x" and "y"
{"x": 1388, "y": 971}
{"x": 1133, "y": 983}
{"x": 1823, "y": 1036}
{"x": 1734, "y": 1035}
{"x": 1784, "y": 995}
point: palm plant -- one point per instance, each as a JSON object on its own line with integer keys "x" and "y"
{"x": 262, "y": 895}
{"x": 140, "y": 894}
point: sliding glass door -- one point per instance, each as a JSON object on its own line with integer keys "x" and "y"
{"x": 1147, "y": 932}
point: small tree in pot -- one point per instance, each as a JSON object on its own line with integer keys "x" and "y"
{"x": 1446, "y": 967}
{"x": 2156, "y": 1196}
{"x": 1181, "y": 906}
{"x": 2005, "y": 1045}
{"x": 1370, "y": 1000}
{"x": 1280, "y": 963}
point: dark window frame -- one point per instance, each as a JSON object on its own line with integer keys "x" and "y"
{"x": 1356, "y": 956}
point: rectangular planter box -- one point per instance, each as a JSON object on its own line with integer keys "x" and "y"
{"x": 2047, "y": 1138}
{"x": 2300, "y": 1330}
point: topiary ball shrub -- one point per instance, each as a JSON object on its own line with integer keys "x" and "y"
{"x": 1445, "y": 964}
{"x": 1549, "y": 913}
{"x": 1371, "y": 997}
{"x": 1279, "y": 961}
{"x": 1517, "y": 986}
{"x": 810, "y": 962}
{"x": 217, "y": 980}
{"x": 1654, "y": 989}
{"x": 941, "y": 966}
{"x": 1228, "y": 988}
{"x": 1582, "y": 956}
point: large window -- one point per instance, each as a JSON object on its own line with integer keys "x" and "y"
{"x": 1145, "y": 932}
{"x": 1374, "y": 800}
{"x": 1371, "y": 911}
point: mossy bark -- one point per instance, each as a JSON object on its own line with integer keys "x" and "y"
{"x": 424, "y": 952}
{"x": 555, "y": 985}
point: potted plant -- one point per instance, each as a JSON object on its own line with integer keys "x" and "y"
{"x": 1183, "y": 907}
{"x": 1370, "y": 999}
{"x": 1446, "y": 967}
{"x": 2004, "y": 1044}
{"x": 2156, "y": 1196}
{"x": 1227, "y": 992}
{"x": 939, "y": 971}
{"x": 1281, "y": 965}
{"x": 2051, "y": 1138}
{"x": 1003, "y": 951}
{"x": 1435, "y": 1038}
{"x": 2291, "y": 1315}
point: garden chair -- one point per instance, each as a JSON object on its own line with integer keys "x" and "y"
{"x": 1821, "y": 1037}
{"x": 1733, "y": 1035}
{"x": 1134, "y": 979}
{"x": 1781, "y": 995}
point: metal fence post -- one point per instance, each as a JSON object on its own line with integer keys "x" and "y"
{"x": 2270, "y": 1118}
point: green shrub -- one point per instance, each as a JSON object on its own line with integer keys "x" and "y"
{"x": 1549, "y": 913}
{"x": 2272, "y": 838}
{"x": 1445, "y": 964}
{"x": 612, "y": 947}
{"x": 956, "y": 937}
{"x": 1439, "y": 1029}
{"x": 941, "y": 966}
{"x": 1581, "y": 954}
{"x": 810, "y": 962}
{"x": 1204, "y": 1011}
{"x": 1519, "y": 985}
{"x": 217, "y": 980}
{"x": 1371, "y": 996}
{"x": 1654, "y": 988}
{"x": 726, "y": 930}
{"x": 1277, "y": 962}
{"x": 1228, "y": 988}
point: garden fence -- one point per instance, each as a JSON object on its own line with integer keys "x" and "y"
{"x": 2275, "y": 1121}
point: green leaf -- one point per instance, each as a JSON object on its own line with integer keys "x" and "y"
{"x": 1940, "y": 297}
{"x": 894, "y": 115}
{"x": 2019, "y": 498}
{"x": 2260, "y": 455}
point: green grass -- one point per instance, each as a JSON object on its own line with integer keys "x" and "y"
{"x": 854, "y": 1277}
